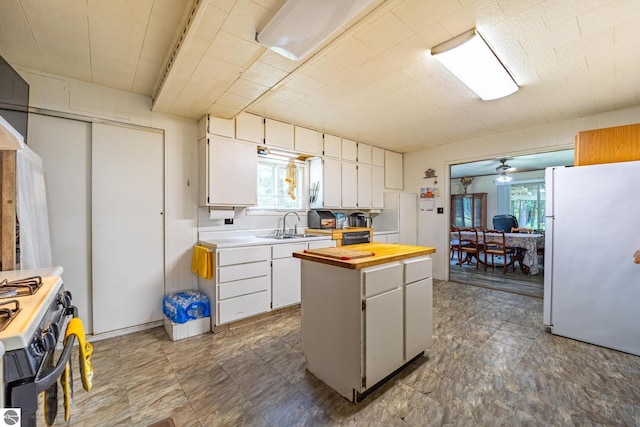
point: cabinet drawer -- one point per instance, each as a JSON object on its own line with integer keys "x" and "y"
{"x": 243, "y": 271}
{"x": 285, "y": 251}
{"x": 243, "y": 287}
{"x": 417, "y": 269}
{"x": 242, "y": 255}
{"x": 244, "y": 306}
{"x": 381, "y": 278}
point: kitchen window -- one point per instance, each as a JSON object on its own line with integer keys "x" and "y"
{"x": 281, "y": 184}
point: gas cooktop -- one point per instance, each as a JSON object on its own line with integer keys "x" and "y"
{"x": 29, "y": 310}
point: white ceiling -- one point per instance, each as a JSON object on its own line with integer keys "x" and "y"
{"x": 373, "y": 82}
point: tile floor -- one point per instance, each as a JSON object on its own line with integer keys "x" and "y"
{"x": 491, "y": 364}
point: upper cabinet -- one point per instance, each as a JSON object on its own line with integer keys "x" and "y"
{"x": 393, "y": 170}
{"x": 216, "y": 126}
{"x": 278, "y": 134}
{"x": 250, "y": 127}
{"x": 325, "y": 178}
{"x": 349, "y": 150}
{"x": 307, "y": 141}
{"x": 364, "y": 153}
{"x": 332, "y": 146}
{"x": 609, "y": 145}
{"x": 377, "y": 156}
{"x": 227, "y": 171}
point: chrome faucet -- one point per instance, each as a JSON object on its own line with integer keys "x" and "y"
{"x": 284, "y": 221}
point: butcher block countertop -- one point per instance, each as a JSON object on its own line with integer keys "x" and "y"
{"x": 336, "y": 234}
{"x": 364, "y": 254}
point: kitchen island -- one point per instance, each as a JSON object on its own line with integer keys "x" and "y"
{"x": 366, "y": 312}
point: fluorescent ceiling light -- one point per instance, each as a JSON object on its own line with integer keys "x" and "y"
{"x": 301, "y": 25}
{"x": 473, "y": 62}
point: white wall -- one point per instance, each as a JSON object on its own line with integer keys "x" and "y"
{"x": 432, "y": 227}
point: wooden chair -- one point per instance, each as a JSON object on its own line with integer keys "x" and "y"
{"x": 454, "y": 242}
{"x": 495, "y": 244}
{"x": 469, "y": 245}
{"x": 521, "y": 230}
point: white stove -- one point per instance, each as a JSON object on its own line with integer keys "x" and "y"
{"x": 30, "y": 338}
{"x": 33, "y": 308}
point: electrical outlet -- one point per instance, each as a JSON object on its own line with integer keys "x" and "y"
{"x": 440, "y": 210}
{"x": 228, "y": 221}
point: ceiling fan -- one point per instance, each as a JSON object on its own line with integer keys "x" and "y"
{"x": 503, "y": 167}
{"x": 502, "y": 170}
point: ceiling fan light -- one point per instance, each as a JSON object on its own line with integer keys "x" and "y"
{"x": 302, "y": 25}
{"x": 473, "y": 62}
{"x": 503, "y": 178}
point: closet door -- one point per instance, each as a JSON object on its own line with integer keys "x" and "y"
{"x": 127, "y": 226}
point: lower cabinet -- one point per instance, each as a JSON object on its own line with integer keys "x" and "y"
{"x": 242, "y": 282}
{"x": 285, "y": 274}
{"x": 251, "y": 280}
{"x": 352, "y": 349}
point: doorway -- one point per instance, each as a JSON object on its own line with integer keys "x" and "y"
{"x": 522, "y": 196}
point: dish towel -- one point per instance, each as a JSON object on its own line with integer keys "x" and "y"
{"x": 202, "y": 262}
{"x": 76, "y": 328}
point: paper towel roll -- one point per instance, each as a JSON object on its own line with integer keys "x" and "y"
{"x": 221, "y": 213}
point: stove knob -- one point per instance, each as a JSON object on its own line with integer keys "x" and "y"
{"x": 48, "y": 341}
{"x": 64, "y": 299}
{"x": 54, "y": 328}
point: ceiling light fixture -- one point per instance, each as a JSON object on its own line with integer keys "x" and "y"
{"x": 502, "y": 169}
{"x": 473, "y": 62}
{"x": 302, "y": 25}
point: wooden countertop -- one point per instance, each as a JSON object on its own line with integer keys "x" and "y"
{"x": 383, "y": 253}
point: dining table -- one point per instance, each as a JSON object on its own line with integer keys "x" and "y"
{"x": 526, "y": 248}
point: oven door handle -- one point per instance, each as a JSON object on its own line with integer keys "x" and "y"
{"x": 49, "y": 377}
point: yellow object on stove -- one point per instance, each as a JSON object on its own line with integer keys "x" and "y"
{"x": 76, "y": 328}
{"x": 202, "y": 262}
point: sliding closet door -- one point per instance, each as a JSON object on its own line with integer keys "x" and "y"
{"x": 127, "y": 226}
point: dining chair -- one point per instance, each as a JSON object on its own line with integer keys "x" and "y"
{"x": 454, "y": 241}
{"x": 495, "y": 244}
{"x": 504, "y": 222}
{"x": 469, "y": 245}
{"x": 521, "y": 230}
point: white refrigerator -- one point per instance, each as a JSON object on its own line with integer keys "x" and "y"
{"x": 591, "y": 282}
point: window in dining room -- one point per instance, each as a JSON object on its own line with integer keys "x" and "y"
{"x": 527, "y": 204}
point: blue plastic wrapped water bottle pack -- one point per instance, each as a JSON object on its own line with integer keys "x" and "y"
{"x": 183, "y": 306}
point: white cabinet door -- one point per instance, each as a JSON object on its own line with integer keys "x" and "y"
{"x": 326, "y": 173}
{"x": 216, "y": 126}
{"x": 393, "y": 238}
{"x": 418, "y": 317}
{"x": 278, "y": 134}
{"x": 383, "y": 335}
{"x": 307, "y": 141}
{"x": 364, "y": 153}
{"x": 250, "y": 127}
{"x": 285, "y": 282}
{"x": 349, "y": 185}
{"x": 364, "y": 186}
{"x": 377, "y": 187}
{"x": 332, "y": 146}
{"x": 230, "y": 175}
{"x": 377, "y": 156}
{"x": 379, "y": 238}
{"x": 349, "y": 150}
{"x": 393, "y": 170}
